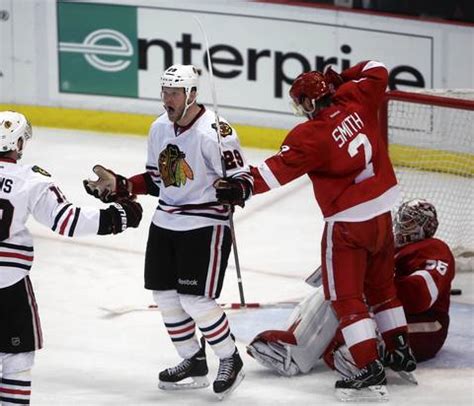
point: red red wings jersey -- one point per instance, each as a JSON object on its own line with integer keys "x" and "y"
{"x": 424, "y": 271}
{"x": 341, "y": 150}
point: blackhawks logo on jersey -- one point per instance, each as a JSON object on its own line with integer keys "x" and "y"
{"x": 225, "y": 129}
{"x": 174, "y": 169}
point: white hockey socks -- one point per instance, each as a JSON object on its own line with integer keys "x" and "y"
{"x": 213, "y": 323}
{"x": 15, "y": 388}
{"x": 179, "y": 324}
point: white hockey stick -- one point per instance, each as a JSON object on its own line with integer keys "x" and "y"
{"x": 224, "y": 172}
{"x": 111, "y": 311}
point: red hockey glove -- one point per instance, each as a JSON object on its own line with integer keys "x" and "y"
{"x": 109, "y": 187}
{"x": 333, "y": 79}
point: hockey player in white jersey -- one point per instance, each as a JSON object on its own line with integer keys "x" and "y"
{"x": 189, "y": 239}
{"x": 29, "y": 190}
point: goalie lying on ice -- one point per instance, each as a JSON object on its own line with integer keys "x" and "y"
{"x": 424, "y": 269}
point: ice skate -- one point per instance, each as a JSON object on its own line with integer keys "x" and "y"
{"x": 191, "y": 373}
{"x": 229, "y": 375}
{"x": 401, "y": 360}
{"x": 368, "y": 385}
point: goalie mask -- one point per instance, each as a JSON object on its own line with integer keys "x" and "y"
{"x": 312, "y": 85}
{"x": 415, "y": 221}
{"x": 13, "y": 128}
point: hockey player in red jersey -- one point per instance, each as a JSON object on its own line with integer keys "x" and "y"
{"x": 424, "y": 270}
{"x": 341, "y": 150}
{"x": 29, "y": 190}
{"x": 189, "y": 239}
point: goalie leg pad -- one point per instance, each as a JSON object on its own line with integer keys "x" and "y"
{"x": 344, "y": 364}
{"x": 314, "y": 326}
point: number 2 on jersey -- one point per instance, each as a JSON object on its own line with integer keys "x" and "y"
{"x": 232, "y": 159}
{"x": 353, "y": 150}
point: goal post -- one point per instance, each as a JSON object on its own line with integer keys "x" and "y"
{"x": 431, "y": 136}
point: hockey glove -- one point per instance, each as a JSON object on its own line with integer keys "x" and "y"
{"x": 109, "y": 187}
{"x": 232, "y": 191}
{"x": 333, "y": 79}
{"x": 120, "y": 216}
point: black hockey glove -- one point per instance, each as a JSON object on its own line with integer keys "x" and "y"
{"x": 232, "y": 191}
{"x": 109, "y": 187}
{"x": 120, "y": 216}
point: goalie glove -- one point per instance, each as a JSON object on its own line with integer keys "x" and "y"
{"x": 109, "y": 187}
{"x": 232, "y": 191}
{"x": 274, "y": 356}
{"x": 120, "y": 216}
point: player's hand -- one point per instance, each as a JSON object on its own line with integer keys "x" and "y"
{"x": 232, "y": 191}
{"x": 133, "y": 211}
{"x": 119, "y": 216}
{"x": 109, "y": 187}
{"x": 333, "y": 79}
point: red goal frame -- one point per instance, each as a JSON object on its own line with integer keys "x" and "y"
{"x": 418, "y": 98}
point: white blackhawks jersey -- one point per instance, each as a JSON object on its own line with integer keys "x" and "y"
{"x": 185, "y": 163}
{"x": 25, "y": 190}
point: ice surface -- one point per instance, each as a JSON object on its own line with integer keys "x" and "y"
{"x": 90, "y": 359}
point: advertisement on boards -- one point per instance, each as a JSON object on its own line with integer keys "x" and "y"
{"x": 119, "y": 50}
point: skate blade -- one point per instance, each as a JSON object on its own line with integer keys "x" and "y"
{"x": 375, "y": 393}
{"x": 408, "y": 376}
{"x": 197, "y": 382}
{"x": 238, "y": 379}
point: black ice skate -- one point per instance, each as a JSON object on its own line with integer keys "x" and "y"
{"x": 229, "y": 375}
{"x": 401, "y": 360}
{"x": 191, "y": 373}
{"x": 368, "y": 385}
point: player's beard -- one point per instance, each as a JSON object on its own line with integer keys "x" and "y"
{"x": 174, "y": 114}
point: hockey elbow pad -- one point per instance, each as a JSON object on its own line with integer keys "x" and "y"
{"x": 120, "y": 216}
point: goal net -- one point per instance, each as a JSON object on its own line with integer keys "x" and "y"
{"x": 431, "y": 137}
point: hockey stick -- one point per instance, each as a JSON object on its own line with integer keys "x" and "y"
{"x": 224, "y": 171}
{"x": 121, "y": 310}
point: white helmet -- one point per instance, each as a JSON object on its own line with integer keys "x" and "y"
{"x": 13, "y": 127}
{"x": 185, "y": 76}
{"x": 415, "y": 220}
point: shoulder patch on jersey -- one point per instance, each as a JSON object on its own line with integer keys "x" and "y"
{"x": 37, "y": 169}
{"x": 225, "y": 128}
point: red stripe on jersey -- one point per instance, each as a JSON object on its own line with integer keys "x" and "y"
{"x": 64, "y": 224}
{"x": 216, "y": 333}
{"x": 34, "y": 310}
{"x": 14, "y": 255}
{"x": 15, "y": 391}
{"x": 214, "y": 265}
